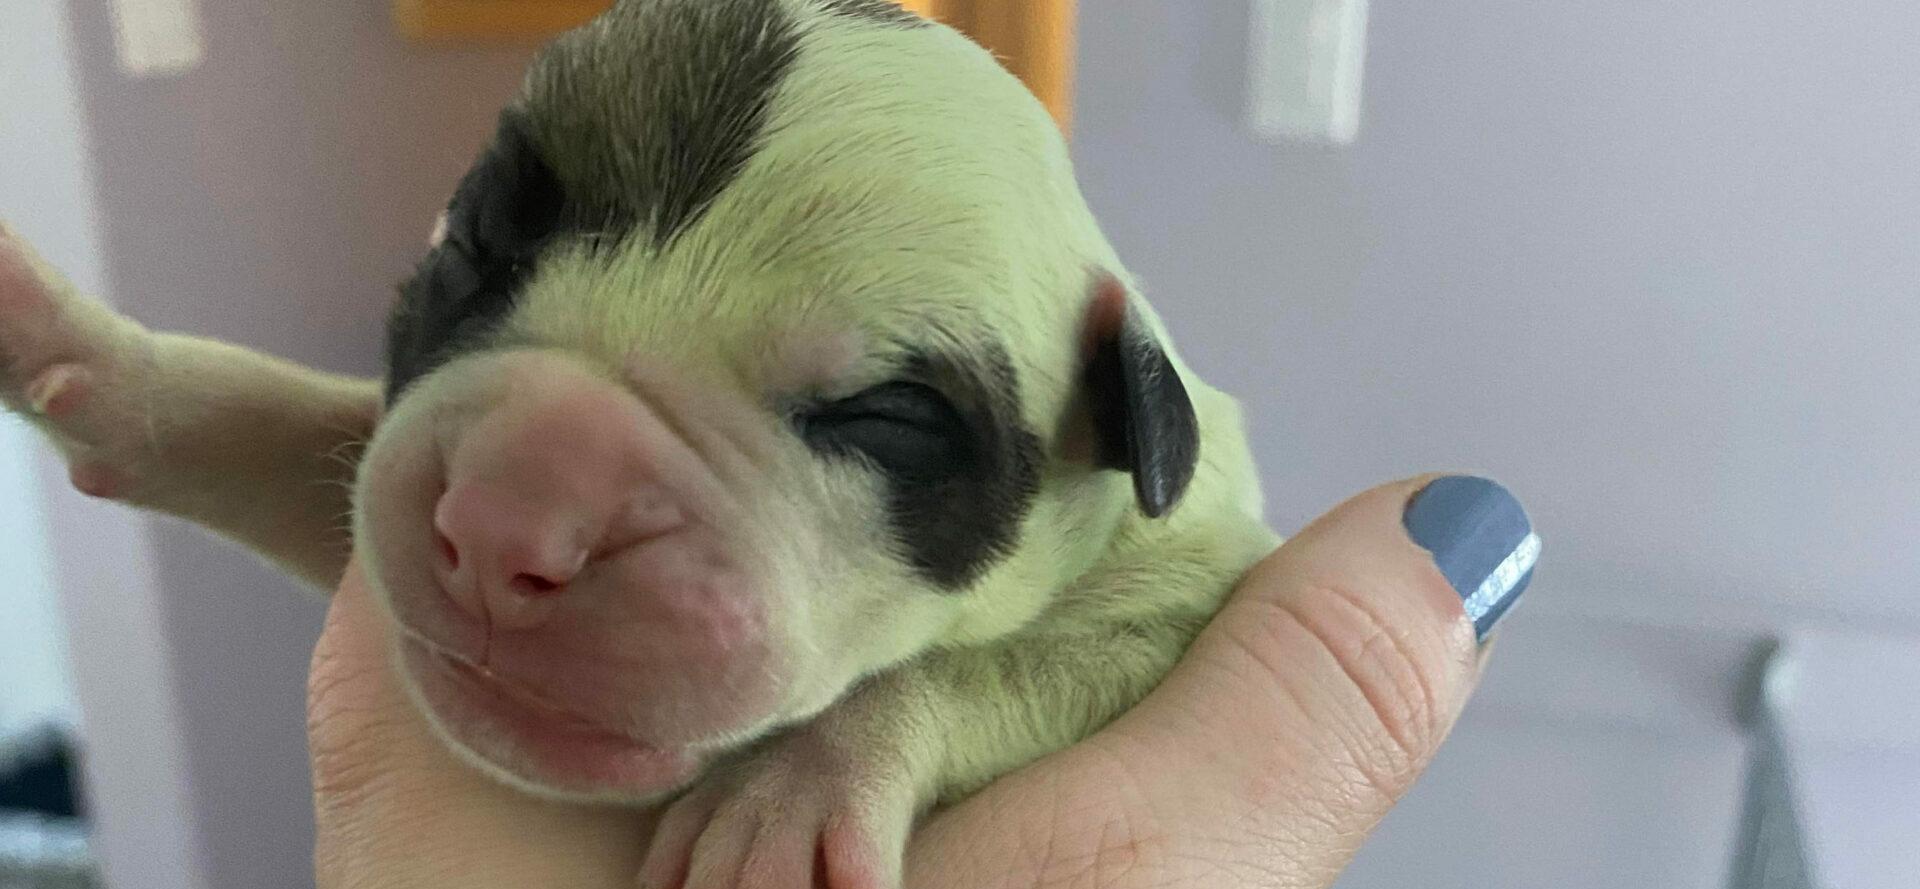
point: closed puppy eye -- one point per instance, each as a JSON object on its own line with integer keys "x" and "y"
{"x": 908, "y": 430}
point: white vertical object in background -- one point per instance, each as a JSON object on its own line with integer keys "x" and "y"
{"x": 1306, "y": 58}
{"x": 157, "y": 37}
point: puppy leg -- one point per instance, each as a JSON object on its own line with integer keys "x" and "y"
{"x": 254, "y": 448}
{"x": 831, "y": 803}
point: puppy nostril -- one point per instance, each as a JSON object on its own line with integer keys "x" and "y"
{"x": 533, "y": 586}
{"x": 449, "y": 554}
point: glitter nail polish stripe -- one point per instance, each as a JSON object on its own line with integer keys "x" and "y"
{"x": 1504, "y": 577}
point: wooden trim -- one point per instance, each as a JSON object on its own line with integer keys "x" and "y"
{"x": 1033, "y": 38}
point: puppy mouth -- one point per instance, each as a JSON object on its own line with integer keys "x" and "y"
{"x": 533, "y": 741}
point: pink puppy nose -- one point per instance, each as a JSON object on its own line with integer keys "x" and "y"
{"x": 507, "y": 559}
{"x": 550, "y": 477}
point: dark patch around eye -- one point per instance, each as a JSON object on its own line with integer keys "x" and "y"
{"x": 507, "y": 209}
{"x": 975, "y": 467}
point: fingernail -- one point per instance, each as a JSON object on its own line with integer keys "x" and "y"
{"x": 1481, "y": 539}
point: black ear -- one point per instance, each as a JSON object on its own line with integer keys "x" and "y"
{"x": 1143, "y": 422}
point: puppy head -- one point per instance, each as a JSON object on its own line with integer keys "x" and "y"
{"x": 769, "y": 344}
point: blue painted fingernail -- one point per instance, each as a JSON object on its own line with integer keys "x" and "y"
{"x": 1481, "y": 539}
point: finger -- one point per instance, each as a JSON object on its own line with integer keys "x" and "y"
{"x": 394, "y": 808}
{"x": 1329, "y": 681}
{"x": 1484, "y": 656}
{"x": 1302, "y": 713}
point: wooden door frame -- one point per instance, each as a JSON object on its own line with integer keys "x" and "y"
{"x": 1033, "y": 38}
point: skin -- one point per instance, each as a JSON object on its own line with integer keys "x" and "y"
{"x": 1300, "y": 716}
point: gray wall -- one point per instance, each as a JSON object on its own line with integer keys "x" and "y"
{"x": 34, "y": 688}
{"x": 1652, "y": 264}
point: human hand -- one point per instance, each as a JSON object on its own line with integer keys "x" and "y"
{"x": 1296, "y": 721}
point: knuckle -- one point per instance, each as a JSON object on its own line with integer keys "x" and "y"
{"x": 1397, "y": 720}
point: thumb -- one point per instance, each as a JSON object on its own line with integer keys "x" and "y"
{"x": 1310, "y": 704}
{"x": 1327, "y": 684}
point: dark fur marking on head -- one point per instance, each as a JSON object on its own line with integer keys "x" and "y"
{"x": 886, "y": 12}
{"x": 507, "y": 209}
{"x": 650, "y": 112}
{"x": 1142, "y": 417}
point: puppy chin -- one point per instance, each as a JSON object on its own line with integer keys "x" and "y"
{"x": 534, "y": 747}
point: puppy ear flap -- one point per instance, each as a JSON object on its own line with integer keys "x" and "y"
{"x": 1143, "y": 421}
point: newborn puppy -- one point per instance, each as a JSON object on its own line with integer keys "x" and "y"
{"x": 770, "y": 433}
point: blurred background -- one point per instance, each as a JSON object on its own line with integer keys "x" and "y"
{"x": 1656, "y": 266}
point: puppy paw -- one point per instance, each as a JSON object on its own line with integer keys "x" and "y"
{"x": 75, "y": 369}
{"x": 802, "y": 812}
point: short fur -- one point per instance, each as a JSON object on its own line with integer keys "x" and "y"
{"x": 684, "y": 188}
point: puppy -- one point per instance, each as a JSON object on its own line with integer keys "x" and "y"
{"x": 770, "y": 433}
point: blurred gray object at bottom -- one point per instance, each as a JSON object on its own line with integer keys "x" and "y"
{"x": 1772, "y": 851}
{"x": 37, "y": 852}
